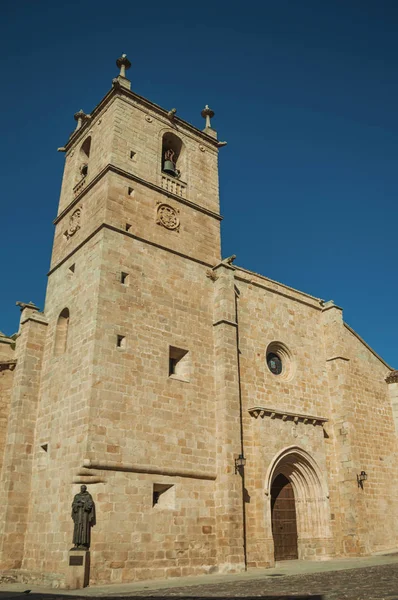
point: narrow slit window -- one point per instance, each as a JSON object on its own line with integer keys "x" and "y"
{"x": 84, "y": 155}
{"x": 130, "y": 191}
{"x": 132, "y": 155}
{"x": 128, "y": 226}
{"x": 124, "y": 278}
{"x": 44, "y": 447}
{"x": 72, "y": 268}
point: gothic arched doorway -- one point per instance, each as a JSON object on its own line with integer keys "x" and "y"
{"x": 283, "y": 515}
{"x": 296, "y": 486}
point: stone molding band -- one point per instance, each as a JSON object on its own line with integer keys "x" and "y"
{"x": 32, "y": 318}
{"x": 107, "y": 465}
{"x": 128, "y": 234}
{"x": 225, "y": 322}
{"x": 153, "y": 186}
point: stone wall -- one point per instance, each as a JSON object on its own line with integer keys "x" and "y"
{"x": 17, "y": 464}
{"x": 142, "y": 419}
{"x": 63, "y": 412}
{"x": 333, "y": 375}
{"x": 7, "y": 366}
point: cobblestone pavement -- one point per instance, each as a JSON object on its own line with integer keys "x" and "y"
{"x": 371, "y": 583}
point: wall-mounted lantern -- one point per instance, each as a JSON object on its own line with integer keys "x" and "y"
{"x": 361, "y": 478}
{"x": 239, "y": 463}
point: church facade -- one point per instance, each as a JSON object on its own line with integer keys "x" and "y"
{"x": 219, "y": 420}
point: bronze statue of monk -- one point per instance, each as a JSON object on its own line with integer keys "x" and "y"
{"x": 83, "y": 515}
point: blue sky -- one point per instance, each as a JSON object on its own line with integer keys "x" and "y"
{"x": 305, "y": 94}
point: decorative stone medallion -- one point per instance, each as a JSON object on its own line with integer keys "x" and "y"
{"x": 167, "y": 216}
{"x": 148, "y": 118}
{"x": 74, "y": 223}
{"x": 202, "y": 148}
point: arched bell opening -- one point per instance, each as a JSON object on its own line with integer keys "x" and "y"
{"x": 84, "y": 155}
{"x": 172, "y": 159}
{"x": 297, "y": 489}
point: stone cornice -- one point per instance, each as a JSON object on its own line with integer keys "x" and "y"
{"x": 7, "y": 365}
{"x": 354, "y": 333}
{"x": 276, "y": 413}
{"x": 118, "y": 91}
{"x": 132, "y": 177}
{"x": 318, "y": 301}
{"x": 269, "y": 288}
{"x": 41, "y": 320}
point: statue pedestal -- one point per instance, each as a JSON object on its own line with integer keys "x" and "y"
{"x": 78, "y": 570}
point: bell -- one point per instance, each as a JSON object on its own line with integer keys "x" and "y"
{"x": 169, "y": 167}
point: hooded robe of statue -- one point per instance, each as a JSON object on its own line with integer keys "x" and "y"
{"x": 83, "y": 515}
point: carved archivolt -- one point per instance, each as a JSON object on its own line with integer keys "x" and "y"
{"x": 74, "y": 223}
{"x": 168, "y": 217}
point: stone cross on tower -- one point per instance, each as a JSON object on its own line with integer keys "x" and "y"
{"x": 123, "y": 64}
{"x": 121, "y": 80}
{"x": 207, "y": 114}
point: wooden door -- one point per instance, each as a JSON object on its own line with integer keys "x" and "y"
{"x": 284, "y": 526}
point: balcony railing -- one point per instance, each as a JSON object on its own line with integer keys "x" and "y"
{"x": 174, "y": 186}
{"x": 79, "y": 186}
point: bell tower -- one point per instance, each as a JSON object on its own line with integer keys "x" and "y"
{"x": 126, "y": 400}
{"x": 158, "y": 172}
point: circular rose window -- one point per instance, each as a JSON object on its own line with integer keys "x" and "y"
{"x": 274, "y": 363}
{"x": 280, "y": 360}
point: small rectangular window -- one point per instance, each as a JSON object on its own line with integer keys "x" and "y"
{"x": 44, "y": 447}
{"x": 124, "y": 278}
{"x": 132, "y": 155}
{"x": 72, "y": 268}
{"x": 128, "y": 226}
{"x": 163, "y": 496}
{"x": 130, "y": 191}
{"x": 120, "y": 341}
{"x": 179, "y": 363}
